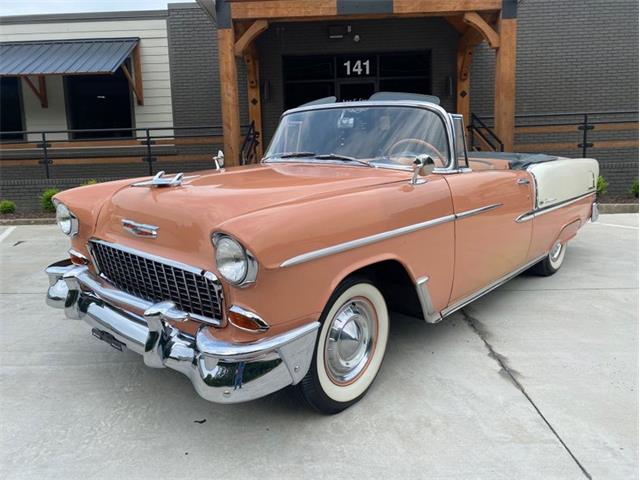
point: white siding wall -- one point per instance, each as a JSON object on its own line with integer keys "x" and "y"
{"x": 154, "y": 53}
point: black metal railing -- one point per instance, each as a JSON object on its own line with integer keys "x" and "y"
{"x": 249, "y": 149}
{"x": 477, "y": 128}
{"x": 195, "y": 144}
{"x": 566, "y": 131}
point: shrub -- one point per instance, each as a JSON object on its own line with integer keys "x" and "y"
{"x": 7, "y": 206}
{"x": 45, "y": 199}
{"x": 602, "y": 186}
{"x": 634, "y": 188}
{"x": 91, "y": 181}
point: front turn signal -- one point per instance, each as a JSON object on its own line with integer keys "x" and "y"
{"x": 246, "y": 320}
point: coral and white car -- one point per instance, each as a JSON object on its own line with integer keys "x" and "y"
{"x": 251, "y": 279}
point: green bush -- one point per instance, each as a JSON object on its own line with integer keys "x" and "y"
{"x": 634, "y": 188}
{"x": 91, "y": 181}
{"x": 7, "y": 206}
{"x": 602, "y": 186}
{"x": 45, "y": 199}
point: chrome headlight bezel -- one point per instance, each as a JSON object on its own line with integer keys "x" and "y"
{"x": 65, "y": 219}
{"x": 249, "y": 260}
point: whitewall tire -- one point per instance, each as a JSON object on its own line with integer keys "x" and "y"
{"x": 552, "y": 262}
{"x": 350, "y": 347}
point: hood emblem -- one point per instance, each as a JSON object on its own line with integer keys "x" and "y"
{"x": 161, "y": 181}
{"x": 140, "y": 229}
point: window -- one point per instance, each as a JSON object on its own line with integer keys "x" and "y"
{"x": 382, "y": 135}
{"x": 461, "y": 144}
{"x": 10, "y": 109}
{"x": 354, "y": 76}
{"x": 99, "y": 102}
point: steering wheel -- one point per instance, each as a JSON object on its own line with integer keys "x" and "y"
{"x": 438, "y": 158}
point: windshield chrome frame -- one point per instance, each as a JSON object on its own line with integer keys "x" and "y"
{"x": 452, "y": 166}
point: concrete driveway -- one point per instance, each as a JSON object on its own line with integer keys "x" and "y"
{"x": 537, "y": 380}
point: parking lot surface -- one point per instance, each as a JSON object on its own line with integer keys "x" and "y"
{"x": 538, "y": 379}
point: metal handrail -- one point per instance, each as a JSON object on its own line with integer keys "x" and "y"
{"x": 474, "y": 129}
{"x": 147, "y": 136}
{"x": 584, "y": 122}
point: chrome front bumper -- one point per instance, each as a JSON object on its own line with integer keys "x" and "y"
{"x": 595, "y": 212}
{"x": 220, "y": 371}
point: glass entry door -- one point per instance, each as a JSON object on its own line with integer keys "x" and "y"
{"x": 349, "y": 91}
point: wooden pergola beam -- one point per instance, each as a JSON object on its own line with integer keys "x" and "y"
{"x": 474, "y": 20}
{"x": 40, "y": 91}
{"x": 250, "y": 34}
{"x": 328, "y": 9}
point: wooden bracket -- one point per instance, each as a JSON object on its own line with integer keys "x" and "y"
{"x": 249, "y": 35}
{"x": 40, "y": 91}
{"x": 135, "y": 81}
{"x": 478, "y": 23}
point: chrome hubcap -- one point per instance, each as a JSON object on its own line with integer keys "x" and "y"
{"x": 351, "y": 340}
{"x": 555, "y": 251}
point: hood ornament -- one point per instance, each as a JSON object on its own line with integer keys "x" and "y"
{"x": 140, "y": 229}
{"x": 161, "y": 181}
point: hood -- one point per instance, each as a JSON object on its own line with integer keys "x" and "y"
{"x": 187, "y": 214}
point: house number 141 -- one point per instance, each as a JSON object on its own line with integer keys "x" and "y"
{"x": 358, "y": 67}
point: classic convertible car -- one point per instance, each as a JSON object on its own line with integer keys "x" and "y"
{"x": 251, "y": 279}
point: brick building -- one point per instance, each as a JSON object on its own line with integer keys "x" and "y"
{"x": 573, "y": 58}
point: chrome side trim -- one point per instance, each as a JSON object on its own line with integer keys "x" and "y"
{"x": 150, "y": 256}
{"x": 492, "y": 286}
{"x": 378, "y": 237}
{"x": 525, "y": 217}
{"x": 428, "y": 311}
{"x": 476, "y": 211}
{"x": 361, "y": 242}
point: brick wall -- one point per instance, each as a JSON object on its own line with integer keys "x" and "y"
{"x": 573, "y": 56}
{"x": 195, "y": 76}
{"x": 26, "y": 193}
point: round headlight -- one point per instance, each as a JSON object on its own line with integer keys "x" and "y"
{"x": 231, "y": 260}
{"x": 66, "y": 221}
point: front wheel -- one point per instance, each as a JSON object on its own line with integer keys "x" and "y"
{"x": 350, "y": 347}
{"x": 552, "y": 262}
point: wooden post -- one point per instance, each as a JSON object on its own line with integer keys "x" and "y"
{"x": 252, "y": 62}
{"x": 505, "y": 82}
{"x": 230, "y": 101}
{"x": 463, "y": 82}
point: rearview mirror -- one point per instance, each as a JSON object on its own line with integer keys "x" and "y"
{"x": 219, "y": 160}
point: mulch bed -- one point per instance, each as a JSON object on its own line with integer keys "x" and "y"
{"x": 617, "y": 199}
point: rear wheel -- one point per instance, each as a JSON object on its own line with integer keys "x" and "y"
{"x": 552, "y": 262}
{"x": 350, "y": 347}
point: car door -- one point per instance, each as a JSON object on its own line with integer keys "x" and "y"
{"x": 487, "y": 198}
{"x": 489, "y": 243}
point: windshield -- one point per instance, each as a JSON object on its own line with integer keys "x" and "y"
{"x": 379, "y": 135}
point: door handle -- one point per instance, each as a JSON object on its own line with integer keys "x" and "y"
{"x": 523, "y": 181}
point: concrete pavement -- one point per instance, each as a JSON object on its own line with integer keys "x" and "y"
{"x": 539, "y": 379}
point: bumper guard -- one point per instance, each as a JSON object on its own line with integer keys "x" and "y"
{"x": 220, "y": 371}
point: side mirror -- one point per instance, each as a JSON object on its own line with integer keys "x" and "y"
{"x": 418, "y": 164}
{"x": 219, "y": 160}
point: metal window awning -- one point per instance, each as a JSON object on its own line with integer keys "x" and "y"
{"x": 65, "y": 57}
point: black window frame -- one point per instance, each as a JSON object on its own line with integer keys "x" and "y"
{"x": 19, "y": 137}
{"x": 67, "y": 106}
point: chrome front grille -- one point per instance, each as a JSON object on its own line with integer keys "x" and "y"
{"x": 157, "y": 279}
